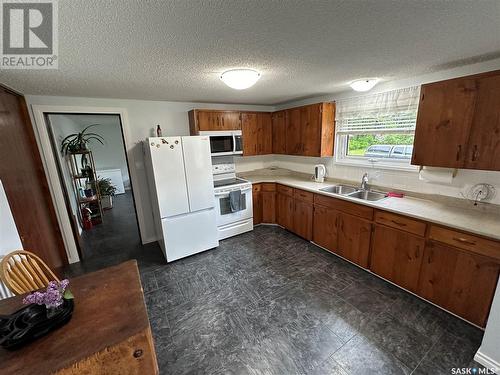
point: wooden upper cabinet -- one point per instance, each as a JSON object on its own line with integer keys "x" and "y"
{"x": 484, "y": 140}
{"x": 210, "y": 120}
{"x": 293, "y": 143}
{"x": 461, "y": 282}
{"x": 265, "y": 133}
{"x": 279, "y": 132}
{"x": 443, "y": 122}
{"x": 250, "y": 134}
{"x": 310, "y": 130}
{"x": 458, "y": 123}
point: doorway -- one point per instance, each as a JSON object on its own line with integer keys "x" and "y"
{"x": 89, "y": 150}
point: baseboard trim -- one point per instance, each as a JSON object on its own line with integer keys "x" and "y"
{"x": 487, "y": 362}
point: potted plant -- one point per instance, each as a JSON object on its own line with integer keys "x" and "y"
{"x": 107, "y": 190}
{"x": 78, "y": 142}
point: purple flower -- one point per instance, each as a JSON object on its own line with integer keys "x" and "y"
{"x": 52, "y": 297}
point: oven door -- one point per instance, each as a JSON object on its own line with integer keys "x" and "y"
{"x": 223, "y": 207}
{"x": 222, "y": 144}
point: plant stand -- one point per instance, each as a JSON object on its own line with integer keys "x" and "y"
{"x": 81, "y": 177}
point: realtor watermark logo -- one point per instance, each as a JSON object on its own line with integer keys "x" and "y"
{"x": 29, "y": 37}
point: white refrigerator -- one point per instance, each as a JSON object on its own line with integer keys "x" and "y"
{"x": 181, "y": 182}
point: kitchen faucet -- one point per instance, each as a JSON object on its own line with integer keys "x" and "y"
{"x": 364, "y": 182}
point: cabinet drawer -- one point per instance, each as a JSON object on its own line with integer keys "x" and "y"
{"x": 466, "y": 241}
{"x": 256, "y": 188}
{"x": 341, "y": 205}
{"x": 269, "y": 187}
{"x": 285, "y": 190}
{"x": 400, "y": 222}
{"x": 303, "y": 195}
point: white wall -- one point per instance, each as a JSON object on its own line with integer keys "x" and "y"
{"x": 9, "y": 237}
{"x": 143, "y": 116}
{"x": 403, "y": 180}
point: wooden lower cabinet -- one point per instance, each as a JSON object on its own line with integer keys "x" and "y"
{"x": 268, "y": 207}
{"x": 303, "y": 219}
{"x": 325, "y": 227}
{"x": 257, "y": 204}
{"x": 461, "y": 282}
{"x": 284, "y": 211}
{"x": 354, "y": 236}
{"x": 397, "y": 256}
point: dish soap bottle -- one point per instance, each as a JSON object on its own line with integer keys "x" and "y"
{"x": 158, "y": 131}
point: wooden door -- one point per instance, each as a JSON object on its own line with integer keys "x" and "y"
{"x": 268, "y": 207}
{"x": 354, "y": 239}
{"x": 279, "y": 132}
{"x": 325, "y": 227}
{"x": 461, "y": 282}
{"x": 207, "y": 120}
{"x": 284, "y": 211}
{"x": 303, "y": 219}
{"x": 293, "y": 144}
{"x": 265, "y": 133}
{"x": 25, "y": 183}
{"x": 397, "y": 256}
{"x": 257, "y": 204}
{"x": 310, "y": 130}
{"x": 250, "y": 133}
{"x": 443, "y": 123}
{"x": 229, "y": 120}
{"x": 484, "y": 140}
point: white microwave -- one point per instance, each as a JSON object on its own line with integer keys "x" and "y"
{"x": 225, "y": 142}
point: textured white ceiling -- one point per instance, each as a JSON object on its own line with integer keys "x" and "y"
{"x": 175, "y": 50}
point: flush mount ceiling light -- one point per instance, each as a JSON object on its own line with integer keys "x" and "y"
{"x": 240, "y": 79}
{"x": 364, "y": 84}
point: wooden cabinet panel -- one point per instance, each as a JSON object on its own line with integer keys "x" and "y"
{"x": 354, "y": 239}
{"x": 293, "y": 134}
{"x": 303, "y": 195}
{"x": 397, "y": 256}
{"x": 400, "y": 222}
{"x": 478, "y": 245}
{"x": 250, "y": 133}
{"x": 285, "y": 190}
{"x": 344, "y": 206}
{"x": 257, "y": 204}
{"x": 265, "y": 133}
{"x": 325, "y": 227}
{"x": 230, "y": 120}
{"x": 310, "y": 130}
{"x": 279, "y": 132}
{"x": 268, "y": 186}
{"x": 443, "y": 123}
{"x": 460, "y": 282}
{"x": 284, "y": 211}
{"x": 210, "y": 120}
{"x": 268, "y": 207}
{"x": 484, "y": 139}
{"x": 303, "y": 219}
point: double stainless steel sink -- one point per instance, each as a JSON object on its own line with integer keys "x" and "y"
{"x": 353, "y": 192}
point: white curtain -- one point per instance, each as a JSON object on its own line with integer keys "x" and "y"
{"x": 387, "y": 111}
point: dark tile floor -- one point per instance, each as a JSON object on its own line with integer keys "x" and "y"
{"x": 268, "y": 302}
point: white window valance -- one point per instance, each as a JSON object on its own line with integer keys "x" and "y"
{"x": 391, "y": 111}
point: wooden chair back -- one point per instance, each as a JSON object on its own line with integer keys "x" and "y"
{"x": 24, "y": 272}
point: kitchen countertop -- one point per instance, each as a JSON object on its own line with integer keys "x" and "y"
{"x": 479, "y": 220}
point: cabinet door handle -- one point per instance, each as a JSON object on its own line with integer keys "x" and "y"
{"x": 459, "y": 152}
{"x": 475, "y": 153}
{"x": 399, "y": 223}
{"x": 417, "y": 252}
{"x": 464, "y": 240}
{"x": 223, "y": 122}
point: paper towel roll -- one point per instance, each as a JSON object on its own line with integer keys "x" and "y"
{"x": 442, "y": 176}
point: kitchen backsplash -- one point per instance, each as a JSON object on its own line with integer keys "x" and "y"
{"x": 390, "y": 179}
